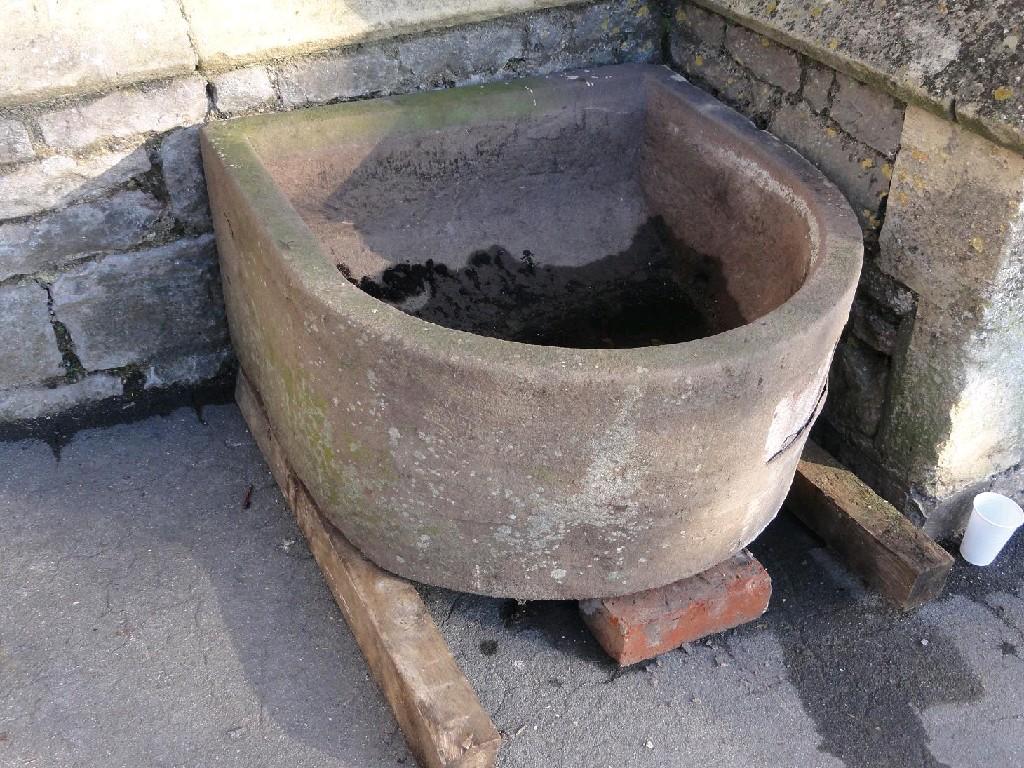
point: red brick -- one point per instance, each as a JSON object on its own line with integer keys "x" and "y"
{"x": 636, "y": 627}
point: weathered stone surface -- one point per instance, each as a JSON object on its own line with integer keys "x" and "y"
{"x": 953, "y": 234}
{"x": 874, "y": 324}
{"x": 40, "y": 402}
{"x": 859, "y": 171}
{"x": 243, "y": 90}
{"x": 695, "y": 25}
{"x": 868, "y": 114}
{"x": 188, "y": 368}
{"x": 28, "y": 348}
{"x": 454, "y": 56}
{"x": 127, "y": 112}
{"x": 857, "y": 382}
{"x": 817, "y": 86}
{"x": 60, "y": 180}
{"x": 109, "y": 224}
{"x": 773, "y": 63}
{"x": 729, "y": 81}
{"x": 343, "y": 75}
{"x": 637, "y": 627}
{"x": 161, "y": 303}
{"x": 15, "y": 144}
{"x": 183, "y": 175}
{"x": 226, "y": 34}
{"x": 76, "y": 46}
{"x": 920, "y": 52}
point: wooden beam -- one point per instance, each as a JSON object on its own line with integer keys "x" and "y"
{"x": 875, "y": 540}
{"x": 435, "y": 706}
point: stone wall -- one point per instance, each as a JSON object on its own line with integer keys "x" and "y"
{"x": 108, "y": 276}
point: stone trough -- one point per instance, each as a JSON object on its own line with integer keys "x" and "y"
{"x": 551, "y": 338}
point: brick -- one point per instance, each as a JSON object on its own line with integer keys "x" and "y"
{"x": 243, "y": 90}
{"x": 454, "y": 56}
{"x": 15, "y": 144}
{"x": 28, "y": 347}
{"x": 868, "y": 114}
{"x": 772, "y": 63}
{"x": 636, "y": 627}
{"x": 817, "y": 86}
{"x": 115, "y": 223}
{"x": 62, "y": 180}
{"x": 858, "y": 170}
{"x": 41, "y": 402}
{"x": 76, "y": 46}
{"x": 126, "y": 113}
{"x": 696, "y": 25}
{"x": 162, "y": 303}
{"x": 182, "y": 166}
{"x": 340, "y": 76}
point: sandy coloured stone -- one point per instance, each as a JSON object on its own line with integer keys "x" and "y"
{"x": 243, "y": 90}
{"x": 15, "y": 144}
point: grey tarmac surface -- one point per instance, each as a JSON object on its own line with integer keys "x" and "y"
{"x": 148, "y": 618}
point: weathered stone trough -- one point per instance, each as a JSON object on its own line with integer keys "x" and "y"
{"x": 550, "y": 338}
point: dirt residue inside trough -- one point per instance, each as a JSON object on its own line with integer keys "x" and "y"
{"x": 653, "y": 292}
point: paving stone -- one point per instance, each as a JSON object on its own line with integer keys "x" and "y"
{"x": 126, "y": 113}
{"x": 28, "y": 348}
{"x": 53, "y": 49}
{"x": 868, "y": 114}
{"x": 109, "y": 224}
{"x": 60, "y": 180}
{"x": 182, "y": 166}
{"x": 339, "y": 76}
{"x": 15, "y": 144}
{"x": 773, "y": 63}
{"x": 40, "y": 402}
{"x": 243, "y": 90}
{"x": 636, "y": 627}
{"x": 188, "y": 369}
{"x": 161, "y": 303}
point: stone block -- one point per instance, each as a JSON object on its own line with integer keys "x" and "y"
{"x": 182, "y": 167}
{"x": 695, "y": 25}
{"x": 162, "y": 303}
{"x": 75, "y": 46}
{"x": 126, "y": 113}
{"x": 15, "y": 144}
{"x": 861, "y": 173}
{"x": 857, "y": 382}
{"x": 730, "y": 82}
{"x": 818, "y": 82}
{"x": 343, "y": 75}
{"x": 868, "y": 114}
{"x": 110, "y": 224}
{"x": 243, "y": 90}
{"x": 874, "y": 324}
{"x": 455, "y": 56}
{"x": 28, "y": 347}
{"x": 188, "y": 369}
{"x": 636, "y": 627}
{"x": 41, "y": 402}
{"x": 772, "y": 63}
{"x": 952, "y": 235}
{"x": 61, "y": 180}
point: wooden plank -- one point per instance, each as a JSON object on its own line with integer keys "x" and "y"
{"x": 435, "y": 706}
{"x": 876, "y": 541}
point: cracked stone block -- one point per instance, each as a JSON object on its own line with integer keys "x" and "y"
{"x": 53, "y": 49}
{"x": 952, "y": 235}
{"x": 115, "y": 223}
{"x": 861, "y": 173}
{"x": 61, "y": 180}
{"x": 817, "y": 85}
{"x": 243, "y": 90}
{"x": 455, "y": 56}
{"x": 633, "y": 628}
{"x": 124, "y": 113}
{"x": 182, "y": 166}
{"x": 28, "y": 347}
{"x": 773, "y": 63}
{"x": 868, "y": 114}
{"x": 339, "y": 76}
{"x": 15, "y": 144}
{"x": 40, "y": 402}
{"x": 132, "y": 308}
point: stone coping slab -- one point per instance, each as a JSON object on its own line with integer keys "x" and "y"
{"x": 964, "y": 60}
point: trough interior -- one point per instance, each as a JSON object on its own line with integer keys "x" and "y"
{"x": 548, "y": 212}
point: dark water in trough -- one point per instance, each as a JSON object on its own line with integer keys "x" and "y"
{"x": 654, "y": 292}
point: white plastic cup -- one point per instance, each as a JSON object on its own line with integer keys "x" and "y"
{"x": 993, "y": 521}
